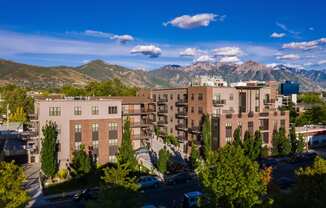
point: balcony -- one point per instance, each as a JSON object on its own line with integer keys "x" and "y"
{"x": 269, "y": 102}
{"x": 195, "y": 130}
{"x": 264, "y": 114}
{"x": 162, "y": 101}
{"x": 182, "y": 137}
{"x": 138, "y": 112}
{"x": 181, "y": 102}
{"x": 218, "y": 103}
{"x": 162, "y": 110}
{"x": 143, "y": 123}
{"x": 182, "y": 127}
{"x": 141, "y": 136}
{"x": 181, "y": 114}
{"x": 162, "y": 122}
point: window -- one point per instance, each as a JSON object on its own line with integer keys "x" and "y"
{"x": 228, "y": 130}
{"x": 192, "y": 96}
{"x": 54, "y": 111}
{"x": 231, "y": 96}
{"x": 94, "y": 131}
{"x": 77, "y": 111}
{"x": 95, "y": 110}
{"x": 113, "y": 141}
{"x": 154, "y": 98}
{"x": 112, "y": 158}
{"x": 95, "y": 147}
{"x": 78, "y": 133}
{"x": 217, "y": 96}
{"x": 200, "y": 96}
{"x": 171, "y": 96}
{"x": 77, "y": 145}
{"x": 200, "y": 109}
{"x": 113, "y": 109}
{"x": 265, "y": 137}
{"x": 192, "y": 109}
{"x": 264, "y": 124}
{"x": 113, "y": 126}
{"x": 171, "y": 107}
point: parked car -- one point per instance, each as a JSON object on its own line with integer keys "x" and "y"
{"x": 148, "y": 182}
{"x": 85, "y": 194}
{"x": 183, "y": 177}
{"x": 194, "y": 199}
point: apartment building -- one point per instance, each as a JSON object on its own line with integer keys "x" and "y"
{"x": 249, "y": 106}
{"x": 94, "y": 122}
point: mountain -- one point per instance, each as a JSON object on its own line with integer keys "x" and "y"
{"x": 101, "y": 70}
{"x": 167, "y": 76}
{"x": 40, "y": 77}
{"x": 308, "y": 79}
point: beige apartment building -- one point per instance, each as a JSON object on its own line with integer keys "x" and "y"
{"x": 250, "y": 107}
{"x": 94, "y": 122}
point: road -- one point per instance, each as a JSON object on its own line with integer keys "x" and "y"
{"x": 163, "y": 196}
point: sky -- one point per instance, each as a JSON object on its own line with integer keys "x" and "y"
{"x": 148, "y": 34}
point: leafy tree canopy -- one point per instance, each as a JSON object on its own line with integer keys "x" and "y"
{"x": 49, "y": 149}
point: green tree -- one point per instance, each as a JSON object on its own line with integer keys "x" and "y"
{"x": 49, "y": 164}
{"x": 258, "y": 142}
{"x": 293, "y": 140}
{"x": 207, "y": 136}
{"x": 249, "y": 145}
{"x": 120, "y": 190}
{"x": 163, "y": 159}
{"x": 195, "y": 155}
{"x": 12, "y": 194}
{"x": 264, "y": 152}
{"x": 171, "y": 139}
{"x": 126, "y": 152}
{"x": 275, "y": 142}
{"x": 18, "y": 116}
{"x": 237, "y": 137}
{"x": 301, "y": 144}
{"x": 284, "y": 145}
{"x": 81, "y": 162}
{"x": 231, "y": 179}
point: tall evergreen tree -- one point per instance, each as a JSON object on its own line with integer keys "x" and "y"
{"x": 284, "y": 146}
{"x": 195, "y": 155}
{"x": 258, "y": 142}
{"x": 293, "y": 140}
{"x": 275, "y": 143}
{"x": 163, "y": 159}
{"x": 207, "y": 136}
{"x": 301, "y": 144}
{"x": 49, "y": 164}
{"x": 237, "y": 137}
{"x": 126, "y": 152}
{"x": 81, "y": 162}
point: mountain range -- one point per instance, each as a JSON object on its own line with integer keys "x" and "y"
{"x": 38, "y": 77}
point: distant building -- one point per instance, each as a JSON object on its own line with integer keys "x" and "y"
{"x": 289, "y": 88}
{"x": 211, "y": 81}
{"x": 314, "y": 135}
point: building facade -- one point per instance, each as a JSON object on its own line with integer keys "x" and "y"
{"x": 95, "y": 123}
{"x": 248, "y": 106}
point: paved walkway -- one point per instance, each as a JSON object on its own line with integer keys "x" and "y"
{"x": 33, "y": 186}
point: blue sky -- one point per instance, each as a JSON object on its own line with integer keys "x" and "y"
{"x": 150, "y": 34}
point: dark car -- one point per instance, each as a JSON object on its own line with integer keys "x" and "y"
{"x": 148, "y": 182}
{"x": 85, "y": 194}
{"x": 194, "y": 199}
{"x": 179, "y": 178}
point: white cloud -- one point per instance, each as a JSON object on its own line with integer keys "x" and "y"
{"x": 277, "y": 35}
{"x": 97, "y": 34}
{"x": 204, "y": 58}
{"x": 286, "y": 29}
{"x": 322, "y": 62}
{"x": 311, "y": 28}
{"x": 122, "y": 38}
{"x": 192, "y": 52}
{"x": 199, "y": 20}
{"x": 305, "y": 45}
{"x": 148, "y": 50}
{"x": 290, "y": 57}
{"x": 229, "y": 59}
{"x": 228, "y": 51}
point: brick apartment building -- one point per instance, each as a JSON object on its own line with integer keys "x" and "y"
{"x": 251, "y": 107}
{"x": 96, "y": 122}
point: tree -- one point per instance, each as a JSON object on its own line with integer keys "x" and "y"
{"x": 231, "y": 179}
{"x": 249, "y": 145}
{"x": 126, "y": 152}
{"x": 284, "y": 144}
{"x": 281, "y": 144}
{"x": 49, "y": 164}
{"x": 163, "y": 159}
{"x": 207, "y": 136}
{"x": 11, "y": 180}
{"x": 264, "y": 152}
{"x": 258, "y": 142}
{"x": 310, "y": 188}
{"x": 195, "y": 155}
{"x": 81, "y": 162}
{"x": 18, "y": 116}
{"x": 120, "y": 190}
{"x": 301, "y": 144}
{"x": 237, "y": 136}
{"x": 293, "y": 140}
{"x": 171, "y": 139}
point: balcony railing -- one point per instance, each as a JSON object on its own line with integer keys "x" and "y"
{"x": 162, "y": 122}
{"x": 162, "y": 110}
{"x": 219, "y": 102}
{"x": 194, "y": 130}
{"x": 181, "y": 114}
{"x": 181, "y": 102}
{"x": 182, "y": 127}
{"x": 162, "y": 101}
